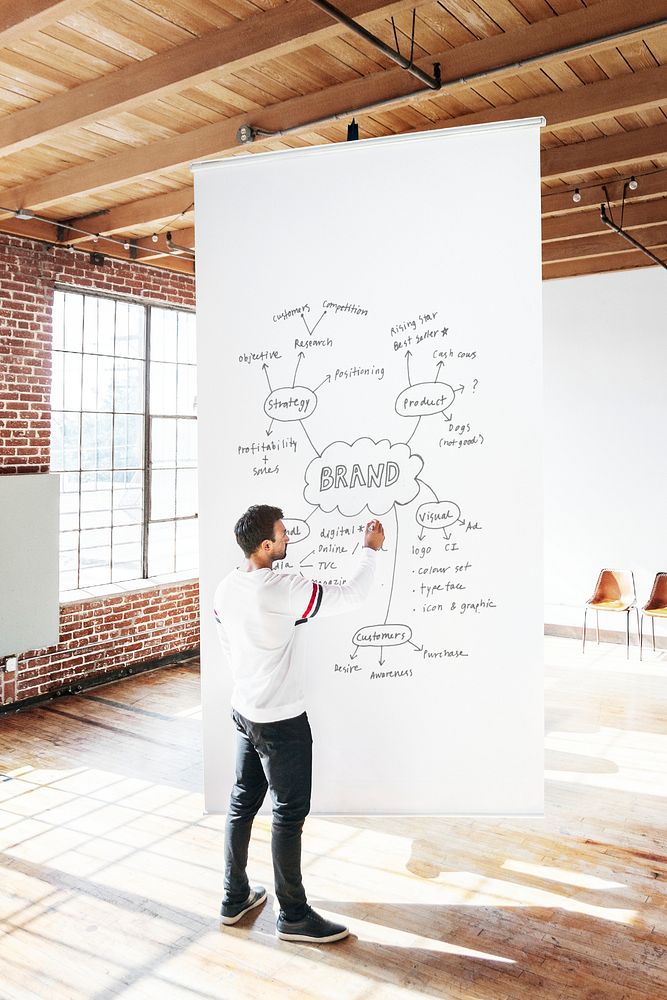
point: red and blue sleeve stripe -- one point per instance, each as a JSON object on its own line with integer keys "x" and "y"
{"x": 313, "y": 605}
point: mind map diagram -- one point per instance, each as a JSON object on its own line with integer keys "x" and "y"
{"x": 347, "y": 477}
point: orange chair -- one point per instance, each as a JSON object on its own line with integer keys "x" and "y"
{"x": 614, "y": 591}
{"x": 655, "y": 607}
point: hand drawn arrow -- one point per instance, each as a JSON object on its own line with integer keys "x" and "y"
{"x": 269, "y": 432}
{"x": 265, "y": 367}
{"x": 408, "y": 355}
{"x": 353, "y": 656}
{"x": 437, "y": 371}
{"x": 447, "y": 418}
{"x": 327, "y": 379}
{"x": 311, "y": 443}
{"x": 319, "y": 321}
{"x": 418, "y": 648}
{"x": 381, "y": 660}
{"x": 301, "y": 355}
{"x": 414, "y": 429}
{"x": 421, "y": 537}
{"x": 460, "y": 388}
{"x": 428, "y": 488}
{"x": 448, "y": 537}
{"x": 393, "y": 572}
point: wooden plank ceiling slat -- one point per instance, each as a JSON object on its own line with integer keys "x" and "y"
{"x": 115, "y": 129}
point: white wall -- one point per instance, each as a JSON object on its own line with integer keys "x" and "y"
{"x": 605, "y": 398}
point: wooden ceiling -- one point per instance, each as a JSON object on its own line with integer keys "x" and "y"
{"x": 103, "y": 106}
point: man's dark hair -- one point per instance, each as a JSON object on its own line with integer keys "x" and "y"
{"x": 256, "y": 525}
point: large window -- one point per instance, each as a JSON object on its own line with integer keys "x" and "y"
{"x": 124, "y": 438}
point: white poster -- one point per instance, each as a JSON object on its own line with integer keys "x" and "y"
{"x": 369, "y": 324}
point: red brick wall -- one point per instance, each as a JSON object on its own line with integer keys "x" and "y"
{"x": 100, "y": 635}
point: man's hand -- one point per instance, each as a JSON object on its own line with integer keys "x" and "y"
{"x": 374, "y": 535}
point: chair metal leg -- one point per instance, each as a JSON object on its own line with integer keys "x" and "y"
{"x": 641, "y": 635}
{"x": 597, "y": 625}
{"x": 653, "y": 631}
{"x": 627, "y": 634}
{"x": 637, "y": 613}
{"x": 583, "y": 648}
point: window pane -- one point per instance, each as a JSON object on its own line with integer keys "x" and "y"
{"x": 96, "y": 440}
{"x": 69, "y": 561}
{"x": 187, "y": 389}
{"x": 69, "y": 511}
{"x": 161, "y": 545}
{"x": 128, "y": 442}
{"x": 127, "y": 553}
{"x": 187, "y": 443}
{"x": 71, "y": 381}
{"x": 73, "y": 322}
{"x": 186, "y": 545}
{"x": 97, "y": 383}
{"x": 121, "y": 343}
{"x": 129, "y": 386}
{"x": 163, "y": 387}
{"x": 68, "y": 580}
{"x": 163, "y": 443}
{"x": 187, "y": 346}
{"x": 163, "y": 334}
{"x": 57, "y": 320}
{"x": 90, "y": 342}
{"x": 95, "y": 557}
{"x": 57, "y": 376}
{"x": 186, "y": 492}
{"x": 106, "y": 312}
{"x": 65, "y": 441}
{"x": 163, "y": 494}
{"x": 96, "y": 501}
{"x": 57, "y": 460}
{"x": 136, "y": 332}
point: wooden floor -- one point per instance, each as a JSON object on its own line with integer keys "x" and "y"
{"x": 111, "y": 874}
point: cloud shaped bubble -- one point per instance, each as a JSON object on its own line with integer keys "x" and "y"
{"x": 366, "y": 473}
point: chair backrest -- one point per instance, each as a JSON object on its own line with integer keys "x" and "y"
{"x": 615, "y": 585}
{"x": 658, "y": 598}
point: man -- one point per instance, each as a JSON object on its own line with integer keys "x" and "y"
{"x": 258, "y": 611}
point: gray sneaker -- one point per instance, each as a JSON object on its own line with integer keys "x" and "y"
{"x": 231, "y": 912}
{"x": 312, "y": 927}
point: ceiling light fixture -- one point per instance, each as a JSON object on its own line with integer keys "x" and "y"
{"x": 633, "y": 183}
{"x": 23, "y": 214}
{"x": 576, "y": 197}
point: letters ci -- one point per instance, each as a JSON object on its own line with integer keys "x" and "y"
{"x": 374, "y": 476}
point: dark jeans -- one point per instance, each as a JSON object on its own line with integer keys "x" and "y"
{"x": 277, "y": 756}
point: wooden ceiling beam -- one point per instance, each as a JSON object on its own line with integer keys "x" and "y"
{"x": 616, "y": 150}
{"x": 267, "y": 35}
{"x": 609, "y": 151}
{"x": 19, "y": 18}
{"x": 606, "y": 242}
{"x": 588, "y": 223}
{"x": 650, "y": 185}
{"x": 155, "y": 209}
{"x": 623, "y": 261}
{"x": 297, "y": 25}
{"x": 218, "y": 138}
{"x": 569, "y": 108}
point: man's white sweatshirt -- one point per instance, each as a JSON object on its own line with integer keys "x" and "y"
{"x": 257, "y": 615}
